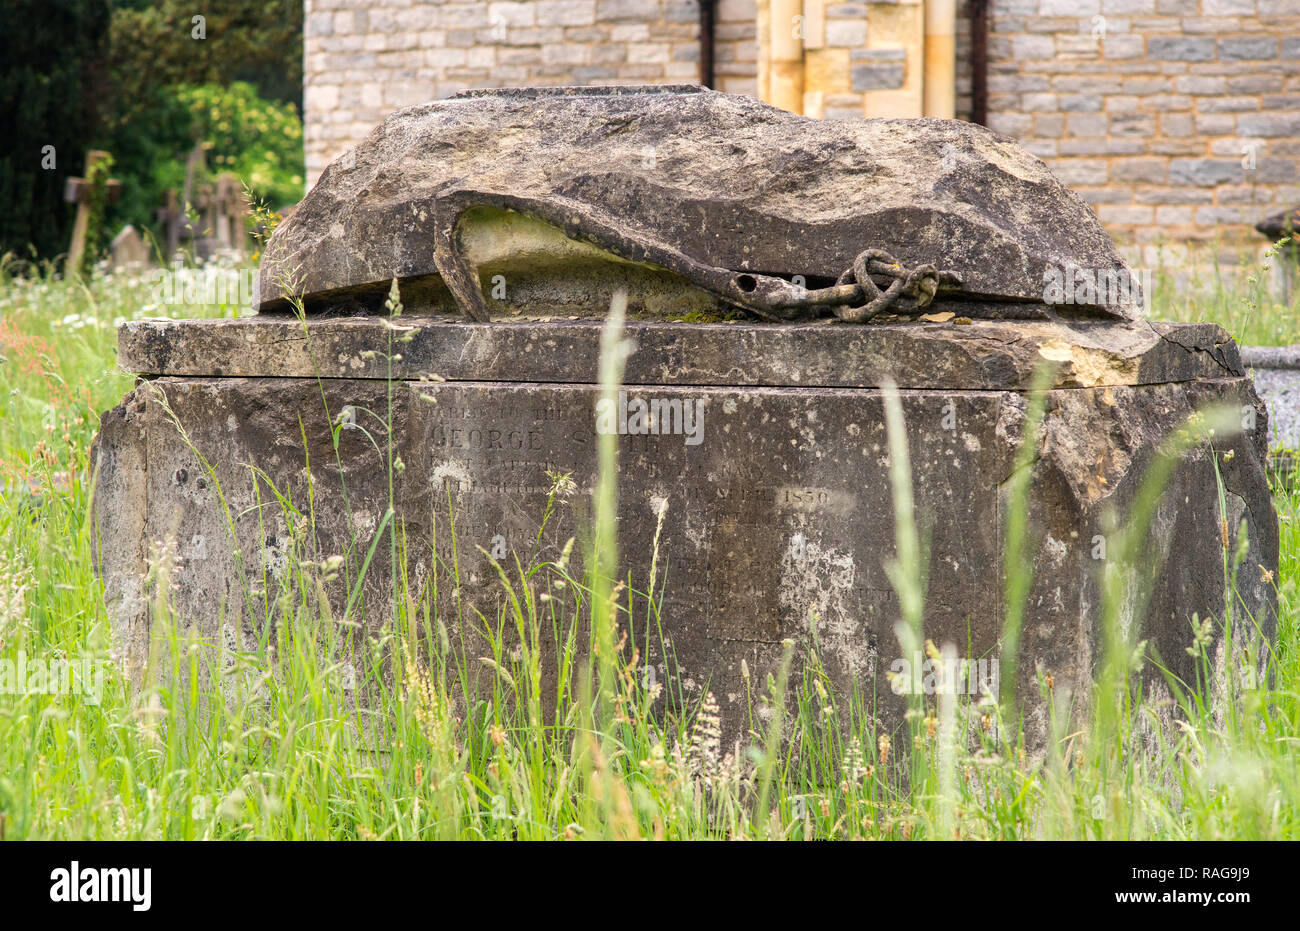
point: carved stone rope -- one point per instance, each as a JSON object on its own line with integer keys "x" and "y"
{"x": 910, "y": 291}
{"x": 855, "y": 297}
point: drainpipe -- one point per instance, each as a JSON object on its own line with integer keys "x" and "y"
{"x": 979, "y": 62}
{"x": 939, "y": 88}
{"x": 706, "y": 42}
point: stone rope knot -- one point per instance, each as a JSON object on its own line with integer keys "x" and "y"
{"x": 909, "y": 291}
{"x": 855, "y": 297}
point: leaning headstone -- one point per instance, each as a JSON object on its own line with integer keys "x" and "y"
{"x": 128, "y": 249}
{"x": 781, "y": 273}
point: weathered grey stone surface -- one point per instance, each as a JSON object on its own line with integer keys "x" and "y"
{"x": 1276, "y": 370}
{"x": 779, "y": 520}
{"x": 773, "y": 482}
{"x": 981, "y": 355}
{"x": 687, "y": 198}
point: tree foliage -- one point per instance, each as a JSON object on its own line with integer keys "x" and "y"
{"x": 232, "y": 80}
{"x": 51, "y": 82}
{"x": 145, "y": 80}
{"x": 154, "y": 45}
{"x": 258, "y": 140}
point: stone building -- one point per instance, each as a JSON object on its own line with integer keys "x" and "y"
{"x": 1176, "y": 119}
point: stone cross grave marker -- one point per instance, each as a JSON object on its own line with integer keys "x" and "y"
{"x": 210, "y": 215}
{"x": 79, "y": 191}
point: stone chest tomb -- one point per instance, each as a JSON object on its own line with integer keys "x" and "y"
{"x": 779, "y": 272}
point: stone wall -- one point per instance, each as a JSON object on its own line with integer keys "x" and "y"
{"x": 1176, "y": 119}
{"x": 366, "y": 58}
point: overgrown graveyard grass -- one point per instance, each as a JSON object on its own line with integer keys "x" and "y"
{"x": 401, "y": 748}
{"x": 1256, "y": 299}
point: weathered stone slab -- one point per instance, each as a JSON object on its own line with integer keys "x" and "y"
{"x": 1276, "y": 370}
{"x": 937, "y": 356}
{"x": 779, "y": 519}
{"x": 683, "y": 197}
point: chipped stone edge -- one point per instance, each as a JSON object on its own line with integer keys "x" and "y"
{"x": 982, "y": 355}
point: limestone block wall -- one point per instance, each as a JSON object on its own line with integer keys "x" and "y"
{"x": 1176, "y": 119}
{"x": 838, "y": 59}
{"x": 366, "y": 58}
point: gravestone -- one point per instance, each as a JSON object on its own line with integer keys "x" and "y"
{"x": 781, "y": 272}
{"x": 1276, "y": 370}
{"x": 1280, "y": 224}
{"x": 128, "y": 249}
{"x": 81, "y": 191}
{"x": 209, "y": 217}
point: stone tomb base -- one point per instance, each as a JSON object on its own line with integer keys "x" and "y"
{"x": 1276, "y": 371}
{"x": 779, "y": 517}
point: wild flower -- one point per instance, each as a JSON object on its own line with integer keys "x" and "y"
{"x": 562, "y": 564}
{"x": 705, "y": 755}
{"x": 655, "y": 765}
{"x": 16, "y": 584}
{"x": 330, "y": 567}
{"x": 1202, "y": 634}
{"x": 421, "y": 695}
{"x": 853, "y": 767}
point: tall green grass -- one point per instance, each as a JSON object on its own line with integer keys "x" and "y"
{"x": 333, "y": 729}
{"x": 1256, "y": 298}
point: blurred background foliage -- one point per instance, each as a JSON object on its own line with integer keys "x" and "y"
{"x": 257, "y": 139}
{"x": 133, "y": 77}
{"x": 52, "y": 77}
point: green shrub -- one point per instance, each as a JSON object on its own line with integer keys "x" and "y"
{"x": 260, "y": 141}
